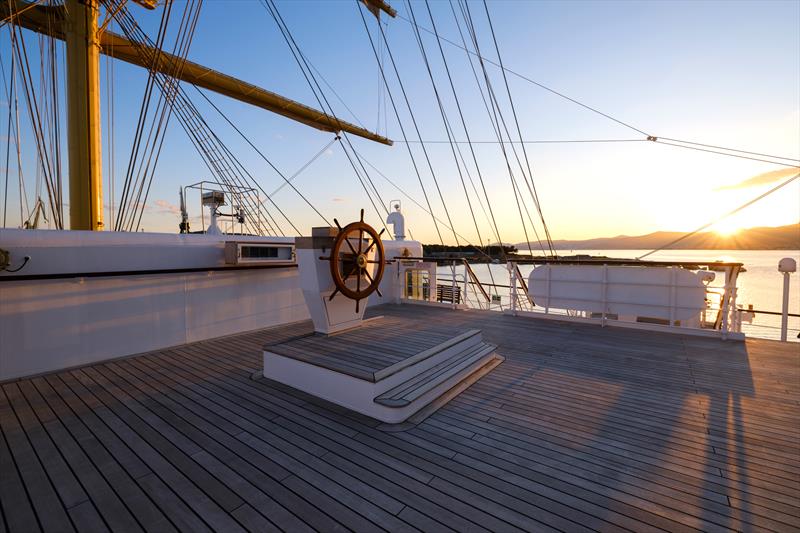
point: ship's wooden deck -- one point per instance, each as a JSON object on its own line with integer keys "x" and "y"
{"x": 381, "y": 344}
{"x": 581, "y": 428}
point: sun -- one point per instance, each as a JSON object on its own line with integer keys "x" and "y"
{"x": 726, "y": 228}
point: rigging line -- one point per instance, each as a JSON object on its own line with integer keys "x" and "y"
{"x": 402, "y": 128}
{"x": 404, "y": 193}
{"x": 493, "y": 115}
{"x": 129, "y": 27}
{"x": 336, "y": 94}
{"x": 413, "y": 121}
{"x": 471, "y": 147}
{"x": 369, "y": 196}
{"x": 446, "y": 123}
{"x": 264, "y": 157}
{"x": 537, "y": 141}
{"x": 18, "y": 13}
{"x": 726, "y": 215}
{"x": 540, "y": 85}
{"x": 319, "y": 93}
{"x": 8, "y": 142}
{"x": 305, "y": 166}
{"x": 163, "y": 107}
{"x": 166, "y": 102}
{"x": 497, "y": 118}
{"x": 313, "y": 84}
{"x": 659, "y": 141}
{"x": 519, "y": 131}
{"x": 186, "y": 33}
{"x": 36, "y": 120}
{"x": 729, "y": 149}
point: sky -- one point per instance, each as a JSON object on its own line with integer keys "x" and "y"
{"x": 719, "y": 73}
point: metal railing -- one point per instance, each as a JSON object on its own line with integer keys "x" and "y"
{"x": 720, "y": 314}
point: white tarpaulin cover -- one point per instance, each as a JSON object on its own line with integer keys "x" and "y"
{"x": 640, "y": 291}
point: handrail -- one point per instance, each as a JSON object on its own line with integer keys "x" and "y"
{"x": 609, "y": 262}
{"x": 476, "y": 280}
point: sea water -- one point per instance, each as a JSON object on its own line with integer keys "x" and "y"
{"x": 761, "y": 285}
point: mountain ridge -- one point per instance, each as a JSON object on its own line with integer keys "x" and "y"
{"x": 757, "y": 238}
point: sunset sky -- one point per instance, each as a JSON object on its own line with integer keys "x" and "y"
{"x": 721, "y": 73}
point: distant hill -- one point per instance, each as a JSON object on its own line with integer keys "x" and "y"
{"x": 766, "y": 238}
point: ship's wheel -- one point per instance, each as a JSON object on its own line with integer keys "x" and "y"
{"x": 348, "y": 260}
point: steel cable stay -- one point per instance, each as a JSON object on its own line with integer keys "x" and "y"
{"x": 215, "y": 155}
{"x": 658, "y": 140}
{"x": 163, "y": 110}
{"x": 35, "y": 110}
{"x": 497, "y": 119}
{"x": 322, "y": 100}
{"x": 448, "y": 131}
{"x": 646, "y": 135}
{"x": 413, "y": 121}
{"x": 495, "y": 116}
{"x": 307, "y": 164}
{"x": 188, "y": 118}
{"x": 794, "y": 160}
{"x": 319, "y": 94}
{"x": 415, "y": 202}
{"x": 474, "y": 157}
{"x": 130, "y": 183}
{"x": 532, "y": 185}
{"x": 400, "y": 124}
{"x": 287, "y": 181}
{"x": 447, "y": 126}
{"x": 181, "y": 50}
{"x": 526, "y": 141}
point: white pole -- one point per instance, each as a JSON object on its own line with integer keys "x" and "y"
{"x": 453, "y": 284}
{"x": 785, "y": 309}
{"x": 787, "y": 265}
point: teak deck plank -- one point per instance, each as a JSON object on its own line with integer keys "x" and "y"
{"x": 582, "y": 428}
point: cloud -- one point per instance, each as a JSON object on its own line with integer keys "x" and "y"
{"x": 338, "y": 199}
{"x": 761, "y": 179}
{"x": 166, "y": 207}
{"x": 328, "y": 152}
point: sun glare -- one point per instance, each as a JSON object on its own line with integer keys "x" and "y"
{"x": 726, "y": 228}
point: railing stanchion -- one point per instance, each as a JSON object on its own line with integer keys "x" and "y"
{"x": 785, "y": 308}
{"x": 672, "y": 296}
{"x": 453, "y": 283}
{"x": 547, "y": 305}
{"x": 605, "y": 295}
{"x": 512, "y": 272}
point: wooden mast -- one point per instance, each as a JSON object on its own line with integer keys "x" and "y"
{"x": 83, "y": 115}
{"x": 84, "y": 44}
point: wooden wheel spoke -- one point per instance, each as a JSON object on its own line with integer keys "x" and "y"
{"x": 352, "y": 271}
{"x": 368, "y": 241}
{"x": 350, "y": 245}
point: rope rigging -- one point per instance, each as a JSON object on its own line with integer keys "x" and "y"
{"x": 308, "y": 73}
{"x": 447, "y": 126}
{"x": 534, "y": 193}
{"x": 41, "y": 108}
{"x": 216, "y": 156}
{"x": 496, "y": 118}
{"x": 608, "y": 116}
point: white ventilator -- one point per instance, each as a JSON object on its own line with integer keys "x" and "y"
{"x": 398, "y": 222}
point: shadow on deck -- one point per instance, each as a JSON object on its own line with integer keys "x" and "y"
{"x": 582, "y": 428}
